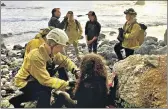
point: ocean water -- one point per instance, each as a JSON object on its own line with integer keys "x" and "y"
{"x": 25, "y": 18}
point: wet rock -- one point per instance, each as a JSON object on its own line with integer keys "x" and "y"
{"x": 3, "y": 51}
{"x": 105, "y": 42}
{"x": 150, "y": 42}
{"x": 160, "y": 51}
{"x": 30, "y": 104}
{"x": 142, "y": 2}
{"x": 108, "y": 55}
{"x": 3, "y": 4}
{"x": 101, "y": 37}
{"x": 11, "y": 54}
{"x": 145, "y": 49}
{"x": 3, "y": 92}
{"x": 7, "y": 84}
{"x": 13, "y": 59}
{"x": 17, "y": 47}
{"x": 136, "y": 75}
{"x": 150, "y": 37}
{"x": 4, "y": 66}
{"x": 83, "y": 45}
{"x": 3, "y": 80}
{"x": 5, "y": 71}
{"x": 112, "y": 33}
{"x": 165, "y": 37}
{"x": 113, "y": 42}
{"x": 6, "y": 35}
{"x": 162, "y": 43}
{"x": 5, "y": 104}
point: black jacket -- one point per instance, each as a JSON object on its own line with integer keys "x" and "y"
{"x": 56, "y": 23}
{"x": 92, "y": 29}
{"x": 92, "y": 93}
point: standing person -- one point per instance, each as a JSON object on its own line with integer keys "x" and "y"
{"x": 74, "y": 31}
{"x": 33, "y": 79}
{"x": 131, "y": 32}
{"x": 92, "y": 31}
{"x": 54, "y": 20}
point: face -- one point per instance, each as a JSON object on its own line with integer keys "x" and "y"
{"x": 58, "y": 48}
{"x": 89, "y": 16}
{"x": 71, "y": 17}
{"x": 129, "y": 17}
{"x": 92, "y": 18}
{"x": 57, "y": 13}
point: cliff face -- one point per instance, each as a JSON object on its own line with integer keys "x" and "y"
{"x": 142, "y": 80}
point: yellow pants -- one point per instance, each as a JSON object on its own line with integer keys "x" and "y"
{"x": 75, "y": 45}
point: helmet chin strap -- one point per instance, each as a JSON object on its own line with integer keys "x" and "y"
{"x": 52, "y": 47}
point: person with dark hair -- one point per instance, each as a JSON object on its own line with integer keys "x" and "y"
{"x": 131, "y": 34}
{"x": 91, "y": 90}
{"x": 54, "y": 20}
{"x": 92, "y": 31}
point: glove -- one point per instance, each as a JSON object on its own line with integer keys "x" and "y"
{"x": 72, "y": 83}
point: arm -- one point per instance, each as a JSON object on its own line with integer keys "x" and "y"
{"x": 134, "y": 32}
{"x": 86, "y": 32}
{"x": 98, "y": 29}
{"x": 80, "y": 30}
{"x": 39, "y": 72}
{"x": 67, "y": 63}
{"x": 56, "y": 23}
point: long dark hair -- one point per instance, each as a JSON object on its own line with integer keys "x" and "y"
{"x": 92, "y": 66}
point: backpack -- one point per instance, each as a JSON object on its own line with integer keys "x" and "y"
{"x": 77, "y": 23}
{"x": 142, "y": 32}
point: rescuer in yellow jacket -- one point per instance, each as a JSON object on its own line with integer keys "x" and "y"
{"x": 132, "y": 31}
{"x": 39, "y": 39}
{"x": 74, "y": 31}
{"x": 34, "y": 66}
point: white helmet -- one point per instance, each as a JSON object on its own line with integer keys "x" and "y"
{"x": 59, "y": 36}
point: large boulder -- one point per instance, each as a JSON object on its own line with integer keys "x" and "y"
{"x": 150, "y": 42}
{"x": 150, "y": 37}
{"x": 104, "y": 42}
{"x": 165, "y": 37}
{"x": 142, "y": 80}
{"x": 3, "y": 46}
{"x": 162, "y": 43}
{"x": 145, "y": 49}
{"x": 162, "y": 50}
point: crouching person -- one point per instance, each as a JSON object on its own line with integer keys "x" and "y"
{"x": 91, "y": 90}
{"x": 33, "y": 79}
{"x": 131, "y": 32}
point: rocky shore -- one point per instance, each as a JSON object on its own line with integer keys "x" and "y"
{"x": 142, "y": 77}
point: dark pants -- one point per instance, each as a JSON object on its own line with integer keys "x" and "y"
{"x": 33, "y": 91}
{"x": 118, "y": 47}
{"x": 93, "y": 47}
